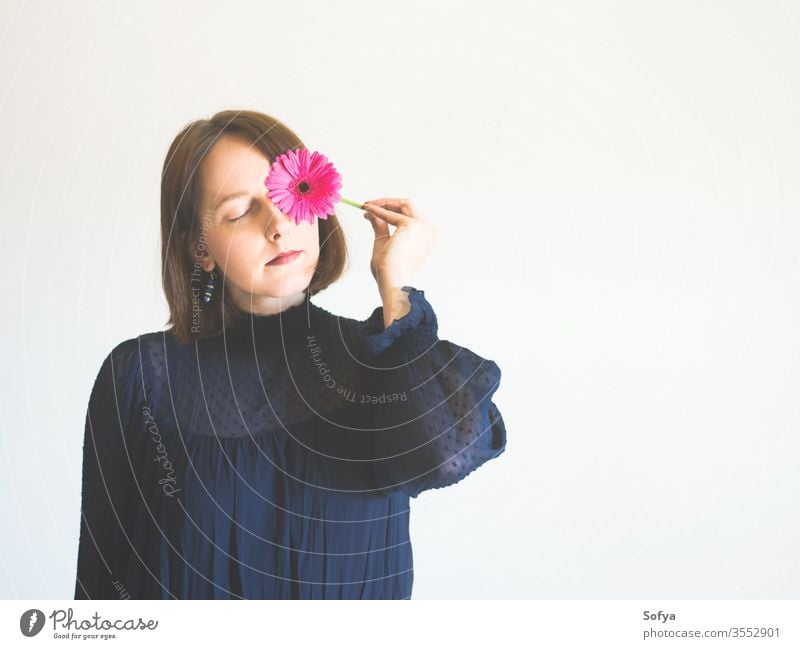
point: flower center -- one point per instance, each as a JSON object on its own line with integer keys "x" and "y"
{"x": 303, "y": 187}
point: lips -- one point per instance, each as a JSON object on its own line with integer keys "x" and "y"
{"x": 284, "y": 258}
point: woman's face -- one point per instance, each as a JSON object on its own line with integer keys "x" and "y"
{"x": 244, "y": 230}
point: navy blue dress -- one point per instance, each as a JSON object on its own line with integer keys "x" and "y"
{"x": 276, "y": 460}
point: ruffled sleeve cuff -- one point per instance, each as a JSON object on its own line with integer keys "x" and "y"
{"x": 415, "y": 332}
{"x": 441, "y": 423}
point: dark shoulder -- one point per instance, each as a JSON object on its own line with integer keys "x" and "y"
{"x": 143, "y": 344}
{"x": 141, "y": 357}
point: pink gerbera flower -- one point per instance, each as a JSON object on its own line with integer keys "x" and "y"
{"x": 304, "y": 184}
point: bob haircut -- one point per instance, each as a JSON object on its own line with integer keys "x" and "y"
{"x": 183, "y": 278}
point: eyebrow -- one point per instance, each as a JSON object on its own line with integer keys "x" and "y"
{"x": 225, "y": 199}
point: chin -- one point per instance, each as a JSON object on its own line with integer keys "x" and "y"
{"x": 285, "y": 286}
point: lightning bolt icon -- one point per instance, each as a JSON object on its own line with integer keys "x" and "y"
{"x": 32, "y": 621}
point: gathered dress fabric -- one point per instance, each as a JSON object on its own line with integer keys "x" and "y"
{"x": 277, "y": 459}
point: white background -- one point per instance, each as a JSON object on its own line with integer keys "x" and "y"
{"x": 616, "y": 186}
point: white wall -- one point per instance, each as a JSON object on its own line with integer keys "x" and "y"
{"x": 616, "y": 187}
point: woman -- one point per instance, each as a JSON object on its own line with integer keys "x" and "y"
{"x": 262, "y": 447}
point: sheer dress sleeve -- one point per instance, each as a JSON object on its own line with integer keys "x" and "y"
{"x": 113, "y": 415}
{"x": 434, "y": 418}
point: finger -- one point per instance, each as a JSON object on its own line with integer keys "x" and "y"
{"x": 389, "y": 216}
{"x": 403, "y": 205}
{"x": 381, "y": 228}
{"x": 389, "y": 198}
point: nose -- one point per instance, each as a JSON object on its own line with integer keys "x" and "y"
{"x": 278, "y": 224}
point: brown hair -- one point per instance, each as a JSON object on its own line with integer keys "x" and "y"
{"x": 181, "y": 228}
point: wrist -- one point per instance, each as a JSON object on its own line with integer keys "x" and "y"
{"x": 388, "y": 281}
{"x": 395, "y": 304}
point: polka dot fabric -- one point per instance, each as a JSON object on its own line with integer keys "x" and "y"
{"x": 276, "y": 460}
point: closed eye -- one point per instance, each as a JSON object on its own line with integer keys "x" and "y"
{"x": 241, "y": 216}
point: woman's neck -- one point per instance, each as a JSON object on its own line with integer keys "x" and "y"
{"x": 267, "y": 305}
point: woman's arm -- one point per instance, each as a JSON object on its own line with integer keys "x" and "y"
{"x": 108, "y": 458}
{"x": 395, "y": 304}
{"x": 397, "y": 256}
{"x": 437, "y": 421}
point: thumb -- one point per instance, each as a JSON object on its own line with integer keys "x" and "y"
{"x": 379, "y": 226}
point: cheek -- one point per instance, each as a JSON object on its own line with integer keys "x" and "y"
{"x": 214, "y": 244}
{"x": 233, "y": 251}
{"x": 313, "y": 245}
{"x": 311, "y": 241}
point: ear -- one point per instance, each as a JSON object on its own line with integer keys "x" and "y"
{"x": 207, "y": 263}
{"x": 199, "y": 254}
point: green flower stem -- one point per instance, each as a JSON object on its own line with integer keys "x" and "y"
{"x": 353, "y": 203}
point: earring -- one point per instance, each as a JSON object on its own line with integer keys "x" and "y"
{"x": 209, "y": 287}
